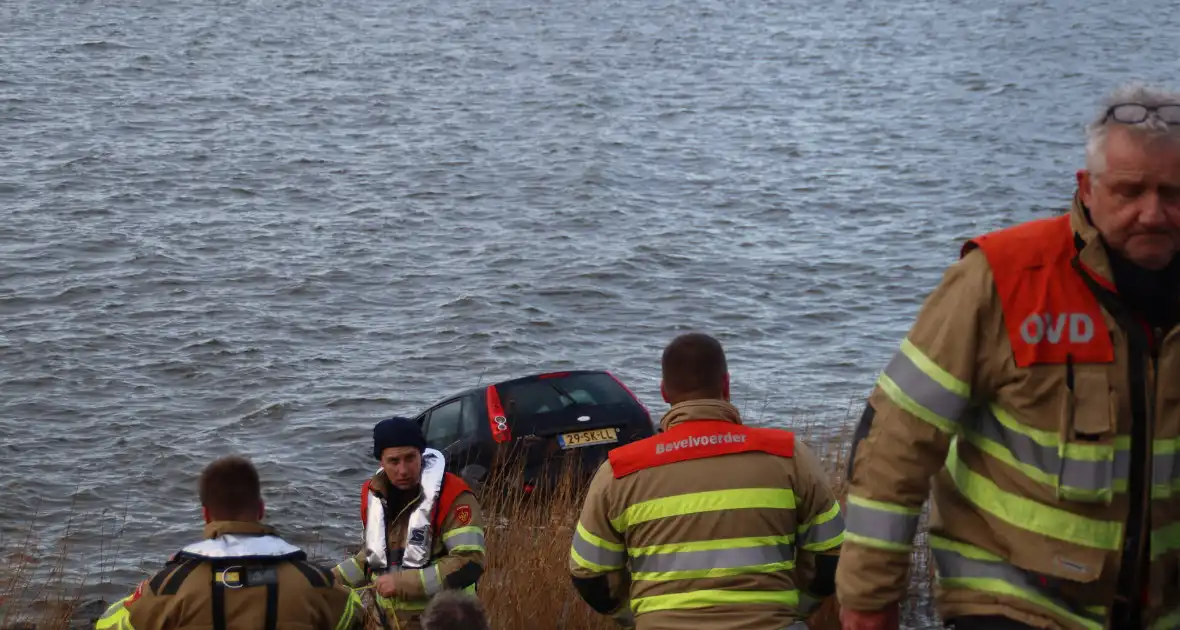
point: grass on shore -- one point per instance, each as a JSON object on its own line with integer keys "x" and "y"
{"x": 526, "y": 583}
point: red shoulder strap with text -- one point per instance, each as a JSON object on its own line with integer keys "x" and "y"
{"x": 698, "y": 439}
{"x": 1050, "y": 314}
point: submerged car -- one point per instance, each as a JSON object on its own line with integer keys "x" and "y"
{"x": 539, "y": 422}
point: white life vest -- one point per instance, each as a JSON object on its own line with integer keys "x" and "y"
{"x": 243, "y": 546}
{"x": 419, "y": 537}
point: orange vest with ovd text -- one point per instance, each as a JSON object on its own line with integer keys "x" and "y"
{"x": 697, "y": 439}
{"x": 1051, "y": 316}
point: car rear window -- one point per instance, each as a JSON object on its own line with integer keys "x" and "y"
{"x": 559, "y": 393}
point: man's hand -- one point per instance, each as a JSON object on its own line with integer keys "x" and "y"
{"x": 886, "y": 619}
{"x": 387, "y": 585}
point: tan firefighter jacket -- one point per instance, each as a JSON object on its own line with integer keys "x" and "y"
{"x": 1013, "y": 399}
{"x": 241, "y": 576}
{"x": 457, "y": 551}
{"x": 709, "y": 524}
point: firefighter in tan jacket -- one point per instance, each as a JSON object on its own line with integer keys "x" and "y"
{"x": 709, "y": 524}
{"x": 423, "y": 530}
{"x": 1038, "y": 393}
{"x": 241, "y": 576}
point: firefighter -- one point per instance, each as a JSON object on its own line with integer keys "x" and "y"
{"x": 241, "y": 576}
{"x": 423, "y": 530}
{"x": 1038, "y": 396}
{"x": 710, "y": 523}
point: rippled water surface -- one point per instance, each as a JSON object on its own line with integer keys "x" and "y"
{"x": 260, "y": 226}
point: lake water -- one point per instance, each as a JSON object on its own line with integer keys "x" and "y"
{"x": 261, "y": 226}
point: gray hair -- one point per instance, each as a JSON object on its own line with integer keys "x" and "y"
{"x": 454, "y": 610}
{"x": 1098, "y": 128}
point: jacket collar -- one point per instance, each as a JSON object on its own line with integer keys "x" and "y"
{"x": 217, "y": 529}
{"x": 703, "y": 409}
{"x": 1091, "y": 250}
{"x": 240, "y": 539}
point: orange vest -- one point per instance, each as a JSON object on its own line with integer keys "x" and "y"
{"x": 696, "y": 439}
{"x": 1051, "y": 316}
{"x": 452, "y": 487}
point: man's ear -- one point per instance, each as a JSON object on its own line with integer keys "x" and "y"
{"x": 664, "y": 392}
{"x": 205, "y": 514}
{"x": 725, "y": 388}
{"x": 1085, "y": 186}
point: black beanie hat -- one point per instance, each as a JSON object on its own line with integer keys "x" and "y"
{"x": 397, "y": 431}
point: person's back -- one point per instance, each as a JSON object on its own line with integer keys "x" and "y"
{"x": 720, "y": 525}
{"x": 241, "y": 576}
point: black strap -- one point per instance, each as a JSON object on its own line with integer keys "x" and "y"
{"x": 219, "y": 621}
{"x": 178, "y": 577}
{"x": 317, "y": 577}
{"x": 272, "y": 605}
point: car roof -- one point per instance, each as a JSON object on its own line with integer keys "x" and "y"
{"x": 511, "y": 381}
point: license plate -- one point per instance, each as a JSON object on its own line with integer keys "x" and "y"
{"x": 588, "y": 438}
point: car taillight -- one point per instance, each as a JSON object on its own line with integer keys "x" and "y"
{"x": 528, "y": 488}
{"x": 628, "y": 390}
{"x": 496, "y": 418}
{"x": 554, "y": 375}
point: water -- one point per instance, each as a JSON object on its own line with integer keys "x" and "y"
{"x": 260, "y": 226}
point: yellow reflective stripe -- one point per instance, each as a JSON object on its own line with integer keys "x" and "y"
{"x": 697, "y": 502}
{"x": 1004, "y": 454}
{"x": 598, "y": 541}
{"x": 459, "y": 531}
{"x": 716, "y": 572}
{"x": 350, "y": 608}
{"x": 1030, "y": 515}
{"x": 1073, "y": 450}
{"x": 881, "y": 525}
{"x": 903, "y": 400}
{"x": 720, "y": 543}
{"x": 1170, "y": 621}
{"x": 825, "y": 531}
{"x": 877, "y": 543}
{"x": 116, "y": 617}
{"x": 351, "y": 572}
{"x": 390, "y": 603}
{"x": 590, "y": 549}
{"x": 588, "y": 565}
{"x": 821, "y": 518}
{"x": 883, "y": 506}
{"x": 1000, "y": 587}
{"x": 706, "y": 598}
{"x": 1164, "y": 540}
{"x": 935, "y": 371}
{"x": 964, "y": 566}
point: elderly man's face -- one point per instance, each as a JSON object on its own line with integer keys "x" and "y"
{"x": 1135, "y": 201}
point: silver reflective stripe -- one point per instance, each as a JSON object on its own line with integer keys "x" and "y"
{"x": 591, "y": 552}
{"x": 352, "y": 572}
{"x": 890, "y": 526}
{"x": 924, "y": 390}
{"x": 971, "y": 572}
{"x": 1164, "y": 474}
{"x": 823, "y": 532}
{"x": 466, "y": 539}
{"x": 712, "y": 559}
{"x": 1074, "y": 473}
{"x": 431, "y": 581}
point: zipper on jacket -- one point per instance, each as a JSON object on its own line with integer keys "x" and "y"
{"x": 1128, "y": 613}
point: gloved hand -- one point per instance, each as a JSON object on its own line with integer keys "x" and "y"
{"x": 624, "y": 617}
{"x": 885, "y": 619}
